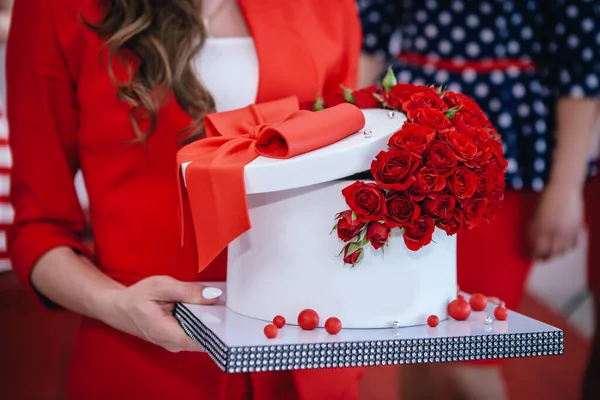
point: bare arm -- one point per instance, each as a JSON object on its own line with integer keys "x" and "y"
{"x": 576, "y": 122}
{"x": 370, "y": 68}
{"x": 5, "y": 10}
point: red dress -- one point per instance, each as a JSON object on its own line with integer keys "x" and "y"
{"x": 64, "y": 115}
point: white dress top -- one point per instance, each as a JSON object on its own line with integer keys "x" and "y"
{"x": 228, "y": 69}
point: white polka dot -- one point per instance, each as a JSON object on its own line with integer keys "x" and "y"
{"x": 508, "y": 6}
{"x": 500, "y": 22}
{"x": 419, "y": 82}
{"x": 526, "y": 33}
{"x": 428, "y": 69}
{"x": 536, "y": 47}
{"x": 442, "y": 76}
{"x": 577, "y": 92}
{"x": 537, "y": 184}
{"x": 535, "y": 87}
{"x": 431, "y": 31}
{"x": 431, "y": 4}
{"x": 539, "y": 107}
{"x": 518, "y": 90}
{"x": 572, "y": 11}
{"x": 469, "y": 75}
{"x": 472, "y": 20}
{"x": 517, "y": 183}
{"x": 495, "y": 105}
{"x": 540, "y": 146}
{"x": 487, "y": 35}
{"x": 404, "y": 76}
{"x": 458, "y": 6}
{"x": 504, "y": 120}
{"x": 523, "y": 110}
{"x": 445, "y": 46}
{"x": 560, "y": 29}
{"x": 587, "y": 54}
{"x": 540, "y": 126}
{"x": 591, "y": 81}
{"x": 497, "y": 77}
{"x": 421, "y": 16}
{"x": 455, "y": 87}
{"x": 374, "y": 17}
{"x": 500, "y": 50}
{"x": 587, "y": 24}
{"x": 573, "y": 41}
{"x": 513, "y": 71}
{"x": 485, "y": 7}
{"x": 370, "y": 40}
{"x": 420, "y": 43}
{"x": 473, "y": 49}
{"x": 512, "y": 166}
{"x": 565, "y": 77}
{"x": 457, "y": 33}
{"x": 481, "y": 90}
{"x": 598, "y": 37}
{"x": 516, "y": 19}
{"x": 445, "y": 18}
{"x": 513, "y": 47}
{"x": 539, "y": 164}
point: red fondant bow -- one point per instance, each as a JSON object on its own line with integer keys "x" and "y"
{"x": 215, "y": 176}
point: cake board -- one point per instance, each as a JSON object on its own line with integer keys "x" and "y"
{"x": 237, "y": 343}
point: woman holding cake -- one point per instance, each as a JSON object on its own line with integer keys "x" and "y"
{"x": 534, "y": 68}
{"x": 116, "y": 88}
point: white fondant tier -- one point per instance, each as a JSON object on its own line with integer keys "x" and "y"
{"x": 288, "y": 262}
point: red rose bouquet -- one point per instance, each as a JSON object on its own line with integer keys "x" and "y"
{"x": 444, "y": 168}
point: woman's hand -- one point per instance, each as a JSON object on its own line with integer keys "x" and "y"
{"x": 145, "y": 310}
{"x": 557, "y": 222}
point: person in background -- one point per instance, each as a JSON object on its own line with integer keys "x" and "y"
{"x": 6, "y": 212}
{"x": 115, "y": 89}
{"x": 534, "y": 68}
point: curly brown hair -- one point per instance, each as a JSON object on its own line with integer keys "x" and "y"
{"x": 165, "y": 35}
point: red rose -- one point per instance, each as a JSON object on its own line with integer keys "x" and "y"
{"x": 401, "y": 93}
{"x": 334, "y": 97}
{"x": 412, "y": 137}
{"x": 440, "y": 207}
{"x": 429, "y": 117}
{"x": 463, "y": 183}
{"x": 469, "y": 127}
{"x": 488, "y": 178}
{"x": 452, "y": 224}
{"x": 346, "y": 228}
{"x": 428, "y": 182}
{"x": 420, "y": 234}
{"x": 353, "y": 253}
{"x": 498, "y": 151}
{"x": 463, "y": 147}
{"x": 394, "y": 169}
{"x": 425, "y": 100}
{"x": 441, "y": 158}
{"x": 494, "y": 203}
{"x": 467, "y": 106}
{"x": 401, "y": 211}
{"x": 366, "y": 200}
{"x": 365, "y": 98}
{"x": 474, "y": 209}
{"x": 377, "y": 234}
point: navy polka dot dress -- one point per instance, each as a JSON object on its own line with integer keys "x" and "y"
{"x": 515, "y": 58}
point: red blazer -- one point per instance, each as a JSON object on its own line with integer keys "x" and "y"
{"x": 64, "y": 116}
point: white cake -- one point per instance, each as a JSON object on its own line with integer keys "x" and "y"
{"x": 289, "y": 260}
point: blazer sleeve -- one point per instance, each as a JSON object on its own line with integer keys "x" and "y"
{"x": 42, "y": 117}
{"x": 574, "y": 48}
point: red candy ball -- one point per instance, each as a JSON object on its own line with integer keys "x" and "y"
{"x": 279, "y": 321}
{"x": 433, "y": 321}
{"x": 459, "y": 309}
{"x": 333, "y": 325}
{"x": 478, "y": 302}
{"x": 501, "y": 313}
{"x": 308, "y": 319}
{"x": 271, "y": 331}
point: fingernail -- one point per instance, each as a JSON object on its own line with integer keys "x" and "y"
{"x": 210, "y": 293}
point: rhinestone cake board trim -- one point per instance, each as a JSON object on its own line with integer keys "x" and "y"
{"x": 237, "y": 344}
